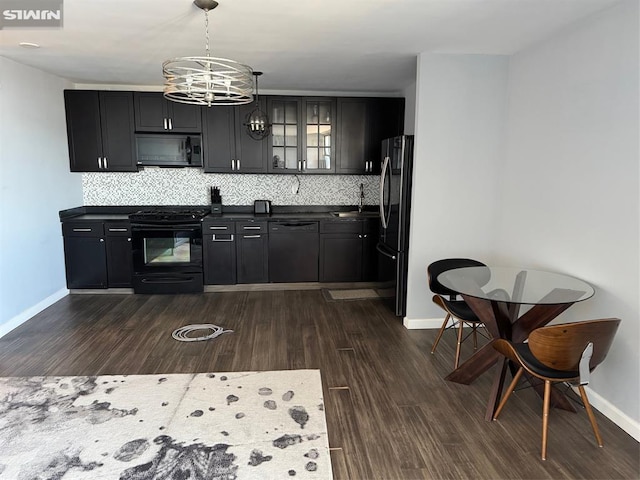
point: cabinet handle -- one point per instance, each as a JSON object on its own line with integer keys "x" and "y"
{"x": 82, "y": 230}
{"x": 99, "y": 162}
{"x": 170, "y": 125}
{"x": 238, "y": 164}
{"x": 304, "y": 165}
{"x": 359, "y": 236}
{"x": 129, "y": 239}
{"x": 102, "y": 239}
{"x": 117, "y": 229}
{"x": 251, "y": 228}
{"x": 218, "y": 228}
{"x": 299, "y": 165}
{"x": 367, "y": 166}
{"x": 251, "y": 236}
{"x": 233, "y": 164}
{"x": 104, "y": 161}
{"x": 165, "y": 123}
{"x": 214, "y": 239}
{"x": 364, "y": 236}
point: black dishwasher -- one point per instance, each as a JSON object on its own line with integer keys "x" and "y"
{"x": 293, "y": 251}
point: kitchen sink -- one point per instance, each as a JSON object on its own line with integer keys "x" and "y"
{"x": 355, "y": 214}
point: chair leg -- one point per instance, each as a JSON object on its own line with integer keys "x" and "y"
{"x": 507, "y": 394}
{"x": 475, "y": 336}
{"x": 460, "y": 329}
{"x": 592, "y": 417}
{"x": 442, "y": 329}
{"x": 545, "y": 417}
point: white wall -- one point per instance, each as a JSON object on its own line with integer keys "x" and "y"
{"x": 35, "y": 184}
{"x": 409, "y": 94}
{"x": 459, "y": 128}
{"x": 571, "y": 179}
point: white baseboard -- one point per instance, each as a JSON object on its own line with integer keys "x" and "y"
{"x": 19, "y": 319}
{"x": 613, "y": 413}
{"x": 422, "y": 323}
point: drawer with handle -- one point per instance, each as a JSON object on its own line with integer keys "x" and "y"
{"x": 251, "y": 228}
{"x": 117, "y": 229}
{"x": 209, "y": 228}
{"x": 82, "y": 229}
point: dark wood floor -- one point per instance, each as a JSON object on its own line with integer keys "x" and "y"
{"x": 390, "y": 413}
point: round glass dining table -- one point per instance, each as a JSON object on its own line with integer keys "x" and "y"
{"x": 496, "y": 295}
{"x": 516, "y": 285}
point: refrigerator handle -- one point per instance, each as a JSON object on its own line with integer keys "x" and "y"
{"x": 383, "y": 176}
{"x": 383, "y": 250}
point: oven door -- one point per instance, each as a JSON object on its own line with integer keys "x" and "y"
{"x": 167, "y": 258}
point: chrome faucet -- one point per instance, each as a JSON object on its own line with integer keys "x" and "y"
{"x": 361, "y": 204}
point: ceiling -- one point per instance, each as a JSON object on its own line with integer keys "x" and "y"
{"x": 300, "y": 45}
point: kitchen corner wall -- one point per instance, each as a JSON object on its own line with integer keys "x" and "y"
{"x": 190, "y": 186}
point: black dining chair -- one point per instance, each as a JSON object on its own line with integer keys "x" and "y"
{"x": 560, "y": 353}
{"x": 457, "y": 311}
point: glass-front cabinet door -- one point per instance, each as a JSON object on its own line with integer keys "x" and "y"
{"x": 301, "y": 135}
{"x": 319, "y": 152}
{"x": 285, "y": 142}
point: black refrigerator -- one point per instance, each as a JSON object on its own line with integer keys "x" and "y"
{"x": 395, "y": 214}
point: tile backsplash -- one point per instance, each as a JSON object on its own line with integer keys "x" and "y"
{"x": 190, "y": 186}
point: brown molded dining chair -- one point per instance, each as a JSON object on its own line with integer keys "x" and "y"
{"x": 560, "y": 353}
{"x": 456, "y": 310}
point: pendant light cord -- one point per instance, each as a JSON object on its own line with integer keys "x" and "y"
{"x": 206, "y": 28}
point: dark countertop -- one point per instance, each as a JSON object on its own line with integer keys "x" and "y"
{"x": 230, "y": 213}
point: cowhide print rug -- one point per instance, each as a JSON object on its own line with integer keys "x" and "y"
{"x": 242, "y": 425}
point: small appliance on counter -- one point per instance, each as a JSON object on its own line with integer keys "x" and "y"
{"x": 262, "y": 207}
{"x": 216, "y": 202}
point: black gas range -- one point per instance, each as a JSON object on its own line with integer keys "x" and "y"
{"x": 167, "y": 250}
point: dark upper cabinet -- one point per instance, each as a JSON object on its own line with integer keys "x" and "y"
{"x": 362, "y": 124}
{"x": 386, "y": 120}
{"x": 228, "y": 146}
{"x": 154, "y": 113}
{"x": 100, "y": 131}
{"x": 354, "y": 154}
{"x": 302, "y": 136}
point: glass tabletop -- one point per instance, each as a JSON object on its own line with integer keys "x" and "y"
{"x": 516, "y": 285}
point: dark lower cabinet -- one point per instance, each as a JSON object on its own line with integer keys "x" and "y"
{"x": 341, "y": 255}
{"x": 252, "y": 252}
{"x": 293, "y": 251}
{"x": 219, "y": 253}
{"x": 97, "y": 254}
{"x": 347, "y": 251}
{"x": 85, "y": 255}
{"x": 119, "y": 254}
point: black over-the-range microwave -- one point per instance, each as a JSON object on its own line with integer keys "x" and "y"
{"x": 168, "y": 150}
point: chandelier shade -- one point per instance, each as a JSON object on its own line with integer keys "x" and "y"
{"x": 207, "y": 80}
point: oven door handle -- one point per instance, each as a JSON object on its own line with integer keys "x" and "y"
{"x": 166, "y": 226}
